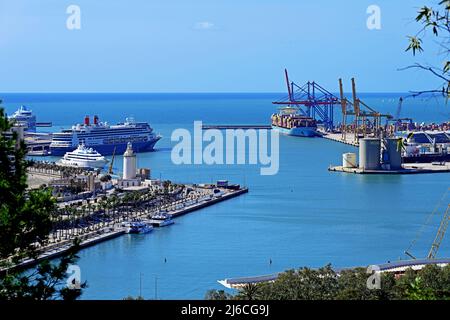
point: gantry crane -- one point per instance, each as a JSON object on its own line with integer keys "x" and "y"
{"x": 440, "y": 234}
{"x": 362, "y": 113}
{"x": 311, "y": 100}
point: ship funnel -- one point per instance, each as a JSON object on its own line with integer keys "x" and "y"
{"x": 86, "y": 120}
{"x": 95, "y": 119}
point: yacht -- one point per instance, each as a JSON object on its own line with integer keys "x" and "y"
{"x": 138, "y": 227}
{"x": 83, "y": 157}
{"x": 161, "y": 220}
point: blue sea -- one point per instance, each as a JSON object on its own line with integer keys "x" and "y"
{"x": 303, "y": 216}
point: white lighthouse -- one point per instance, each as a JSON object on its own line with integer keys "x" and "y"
{"x": 129, "y": 163}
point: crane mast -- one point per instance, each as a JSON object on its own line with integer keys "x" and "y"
{"x": 110, "y": 170}
{"x": 440, "y": 234}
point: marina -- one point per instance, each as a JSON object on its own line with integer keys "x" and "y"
{"x": 58, "y": 247}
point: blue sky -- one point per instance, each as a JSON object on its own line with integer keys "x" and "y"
{"x": 207, "y": 45}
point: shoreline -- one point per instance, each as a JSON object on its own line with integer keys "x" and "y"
{"x": 56, "y": 250}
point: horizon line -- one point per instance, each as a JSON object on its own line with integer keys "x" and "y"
{"x": 181, "y": 92}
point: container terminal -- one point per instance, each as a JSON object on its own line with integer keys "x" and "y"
{"x": 309, "y": 111}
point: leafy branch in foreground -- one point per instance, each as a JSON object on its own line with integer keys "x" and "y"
{"x": 438, "y": 20}
{"x": 25, "y": 223}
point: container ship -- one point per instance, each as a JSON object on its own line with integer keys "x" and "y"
{"x": 288, "y": 121}
{"x": 105, "y": 138}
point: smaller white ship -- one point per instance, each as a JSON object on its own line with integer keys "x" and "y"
{"x": 84, "y": 158}
{"x": 138, "y": 227}
{"x": 25, "y": 117}
{"x": 161, "y": 220}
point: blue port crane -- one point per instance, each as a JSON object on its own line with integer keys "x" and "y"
{"x": 399, "y": 108}
{"x": 312, "y": 100}
{"x": 397, "y": 121}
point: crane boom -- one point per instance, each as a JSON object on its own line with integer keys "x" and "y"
{"x": 110, "y": 171}
{"x": 288, "y": 85}
{"x": 399, "y": 108}
{"x": 440, "y": 234}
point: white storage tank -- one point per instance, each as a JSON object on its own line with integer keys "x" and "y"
{"x": 349, "y": 160}
{"x": 394, "y": 153}
{"x": 370, "y": 154}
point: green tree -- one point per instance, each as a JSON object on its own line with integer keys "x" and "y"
{"x": 302, "y": 284}
{"x": 250, "y": 291}
{"x": 25, "y": 224}
{"x": 417, "y": 291}
{"x": 436, "y": 19}
{"x": 218, "y": 295}
{"x": 353, "y": 286}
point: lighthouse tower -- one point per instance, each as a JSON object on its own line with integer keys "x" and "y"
{"x": 129, "y": 163}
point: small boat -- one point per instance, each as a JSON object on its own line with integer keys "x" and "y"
{"x": 138, "y": 227}
{"x": 161, "y": 220}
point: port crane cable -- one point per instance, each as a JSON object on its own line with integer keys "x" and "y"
{"x": 427, "y": 222}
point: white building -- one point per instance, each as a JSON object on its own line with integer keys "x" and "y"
{"x": 129, "y": 163}
{"x": 129, "y": 178}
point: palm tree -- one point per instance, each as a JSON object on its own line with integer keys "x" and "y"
{"x": 250, "y": 291}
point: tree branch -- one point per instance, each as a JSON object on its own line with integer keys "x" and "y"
{"x": 431, "y": 69}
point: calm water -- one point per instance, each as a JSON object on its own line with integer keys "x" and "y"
{"x": 303, "y": 216}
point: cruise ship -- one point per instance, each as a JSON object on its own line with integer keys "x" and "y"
{"x": 105, "y": 138}
{"x": 84, "y": 158}
{"x": 25, "y": 118}
{"x": 288, "y": 121}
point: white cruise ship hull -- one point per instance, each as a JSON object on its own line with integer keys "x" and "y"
{"x": 83, "y": 163}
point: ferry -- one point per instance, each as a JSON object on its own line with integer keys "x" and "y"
{"x": 105, "y": 138}
{"x": 288, "y": 121}
{"x": 25, "y": 117}
{"x": 138, "y": 227}
{"x": 161, "y": 220}
{"x": 83, "y": 157}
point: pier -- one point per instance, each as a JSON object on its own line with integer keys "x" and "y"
{"x": 58, "y": 247}
{"x": 337, "y": 137}
{"x": 409, "y": 168}
{"x": 397, "y": 267}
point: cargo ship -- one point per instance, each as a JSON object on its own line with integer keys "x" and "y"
{"x": 426, "y": 147}
{"x": 105, "y": 138}
{"x": 288, "y": 121}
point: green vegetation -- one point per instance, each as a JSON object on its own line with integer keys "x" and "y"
{"x": 438, "y": 20}
{"x": 430, "y": 283}
{"x": 25, "y": 223}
